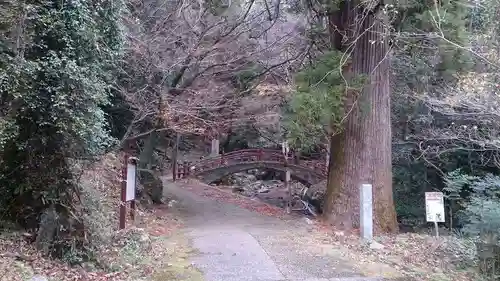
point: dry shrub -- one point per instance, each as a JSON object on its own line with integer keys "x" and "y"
{"x": 99, "y": 201}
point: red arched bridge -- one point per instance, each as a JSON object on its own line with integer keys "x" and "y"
{"x": 211, "y": 169}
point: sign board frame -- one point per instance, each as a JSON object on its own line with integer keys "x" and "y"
{"x": 128, "y": 184}
{"x": 434, "y": 207}
{"x": 131, "y": 181}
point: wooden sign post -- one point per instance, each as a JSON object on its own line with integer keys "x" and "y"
{"x": 128, "y": 188}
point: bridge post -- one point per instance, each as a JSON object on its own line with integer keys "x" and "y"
{"x": 285, "y": 150}
{"x": 186, "y": 169}
{"x": 295, "y": 157}
{"x": 180, "y": 170}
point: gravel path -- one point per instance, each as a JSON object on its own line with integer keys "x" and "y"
{"x": 235, "y": 244}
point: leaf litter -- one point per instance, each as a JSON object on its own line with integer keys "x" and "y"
{"x": 151, "y": 248}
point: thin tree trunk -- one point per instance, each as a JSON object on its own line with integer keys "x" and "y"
{"x": 362, "y": 152}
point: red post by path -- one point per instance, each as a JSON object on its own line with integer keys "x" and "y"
{"x": 132, "y": 181}
{"x": 222, "y": 158}
{"x": 132, "y": 210}
{"x": 123, "y": 207}
{"x": 175, "y": 151}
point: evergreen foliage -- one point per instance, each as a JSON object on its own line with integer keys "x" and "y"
{"x": 56, "y": 72}
{"x": 479, "y": 203}
{"x": 431, "y": 41}
{"x": 316, "y": 107}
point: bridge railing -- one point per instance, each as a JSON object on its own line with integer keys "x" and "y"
{"x": 254, "y": 155}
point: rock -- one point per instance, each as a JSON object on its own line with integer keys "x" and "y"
{"x": 376, "y": 246}
{"x": 264, "y": 190}
{"x": 39, "y": 278}
{"x": 87, "y": 266}
{"x": 339, "y": 233}
{"x": 172, "y": 203}
{"x": 238, "y": 189}
{"x": 49, "y": 222}
{"x": 309, "y": 221}
{"x": 153, "y": 185}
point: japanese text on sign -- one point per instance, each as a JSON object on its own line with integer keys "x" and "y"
{"x": 434, "y": 206}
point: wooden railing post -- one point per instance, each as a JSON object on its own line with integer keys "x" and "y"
{"x": 179, "y": 170}
{"x": 297, "y": 158}
{"x": 188, "y": 169}
{"x": 260, "y": 154}
{"x": 123, "y": 206}
{"x": 184, "y": 169}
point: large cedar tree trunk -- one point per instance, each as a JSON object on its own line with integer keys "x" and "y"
{"x": 362, "y": 152}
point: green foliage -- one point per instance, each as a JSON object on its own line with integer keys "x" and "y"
{"x": 481, "y": 214}
{"x": 316, "y": 108}
{"x": 53, "y": 87}
{"x": 427, "y": 32}
{"x": 408, "y": 183}
{"x": 479, "y": 199}
{"x": 243, "y": 79}
{"x": 216, "y": 7}
{"x": 455, "y": 182}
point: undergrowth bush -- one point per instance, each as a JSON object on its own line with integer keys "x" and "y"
{"x": 481, "y": 213}
{"x": 53, "y": 85}
{"x": 98, "y": 222}
{"x": 478, "y": 200}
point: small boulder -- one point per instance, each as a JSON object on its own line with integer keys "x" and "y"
{"x": 264, "y": 190}
{"x": 172, "y": 203}
{"x": 39, "y": 278}
{"x": 376, "y": 246}
{"x": 339, "y": 233}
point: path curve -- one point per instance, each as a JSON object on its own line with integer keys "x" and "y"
{"x": 236, "y": 244}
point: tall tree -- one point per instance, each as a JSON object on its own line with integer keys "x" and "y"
{"x": 361, "y": 153}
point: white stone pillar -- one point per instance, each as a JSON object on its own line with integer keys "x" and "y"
{"x": 214, "y": 151}
{"x": 366, "y": 212}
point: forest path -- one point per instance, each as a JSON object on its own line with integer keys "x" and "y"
{"x": 236, "y": 244}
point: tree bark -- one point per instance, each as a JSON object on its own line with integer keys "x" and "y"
{"x": 362, "y": 152}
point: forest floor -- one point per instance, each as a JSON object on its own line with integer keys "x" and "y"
{"x": 205, "y": 233}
